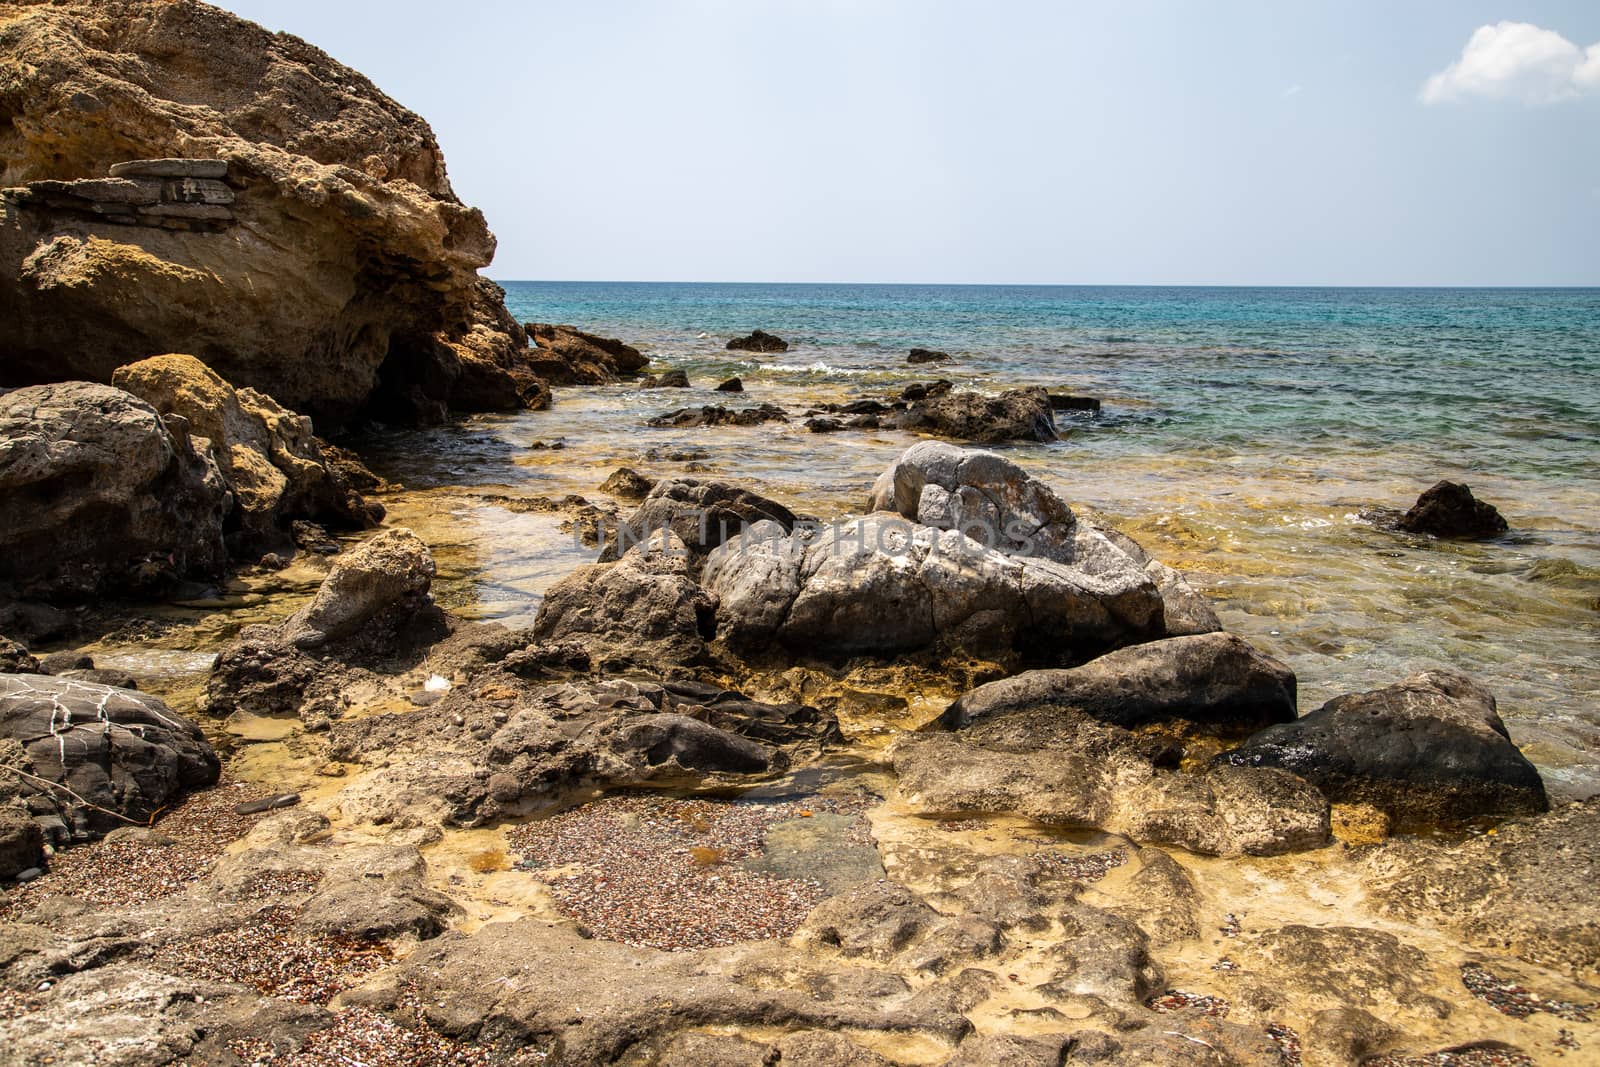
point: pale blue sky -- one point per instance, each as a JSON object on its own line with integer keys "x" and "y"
{"x": 927, "y": 141}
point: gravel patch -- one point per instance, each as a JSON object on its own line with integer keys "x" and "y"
{"x": 664, "y": 872}
{"x": 1176, "y": 1000}
{"x": 1470, "y": 1057}
{"x": 266, "y": 953}
{"x": 1519, "y": 1002}
{"x": 166, "y": 859}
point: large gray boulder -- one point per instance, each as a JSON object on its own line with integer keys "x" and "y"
{"x": 1428, "y": 750}
{"x": 996, "y": 502}
{"x": 99, "y": 495}
{"x": 119, "y": 752}
{"x": 1210, "y": 678}
{"x": 881, "y": 585}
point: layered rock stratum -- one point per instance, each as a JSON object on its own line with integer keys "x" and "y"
{"x": 180, "y": 180}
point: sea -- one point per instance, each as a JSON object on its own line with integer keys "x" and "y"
{"x": 1242, "y": 435}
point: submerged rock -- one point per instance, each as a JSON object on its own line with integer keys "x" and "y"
{"x": 1428, "y": 750}
{"x": 927, "y": 355}
{"x": 98, "y": 494}
{"x": 758, "y": 341}
{"x": 1529, "y": 887}
{"x": 567, "y": 355}
{"x": 388, "y": 574}
{"x": 124, "y": 755}
{"x": 1449, "y": 509}
{"x": 315, "y": 251}
{"x": 268, "y": 455}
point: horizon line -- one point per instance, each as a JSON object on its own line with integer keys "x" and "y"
{"x": 1039, "y": 285}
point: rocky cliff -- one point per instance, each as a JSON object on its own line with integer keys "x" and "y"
{"x": 179, "y": 179}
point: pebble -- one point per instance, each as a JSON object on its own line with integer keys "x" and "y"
{"x": 664, "y": 872}
{"x": 1178, "y": 1000}
{"x": 1509, "y": 998}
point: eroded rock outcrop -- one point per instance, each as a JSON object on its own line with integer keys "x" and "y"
{"x": 1428, "y": 750}
{"x": 190, "y": 182}
{"x": 99, "y": 494}
{"x": 566, "y": 355}
{"x": 271, "y": 460}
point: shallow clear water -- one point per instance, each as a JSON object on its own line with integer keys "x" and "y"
{"x": 1243, "y": 431}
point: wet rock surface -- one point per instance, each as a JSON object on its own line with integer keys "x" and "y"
{"x": 758, "y": 341}
{"x": 1449, "y": 509}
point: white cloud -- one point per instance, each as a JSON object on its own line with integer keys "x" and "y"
{"x": 1293, "y": 90}
{"x": 1517, "y": 61}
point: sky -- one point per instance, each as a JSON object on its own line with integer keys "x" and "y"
{"x": 1436, "y": 142}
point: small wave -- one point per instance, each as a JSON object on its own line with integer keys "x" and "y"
{"x": 817, "y": 367}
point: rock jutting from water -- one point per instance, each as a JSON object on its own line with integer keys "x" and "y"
{"x": 758, "y": 341}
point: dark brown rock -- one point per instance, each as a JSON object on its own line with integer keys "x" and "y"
{"x": 1449, "y": 509}
{"x": 1429, "y": 750}
{"x": 758, "y": 341}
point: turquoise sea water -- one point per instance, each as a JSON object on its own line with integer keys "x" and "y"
{"x": 1243, "y": 433}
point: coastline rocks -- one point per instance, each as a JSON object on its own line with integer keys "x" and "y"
{"x": 699, "y": 515}
{"x": 1014, "y": 415}
{"x": 927, "y": 355}
{"x": 672, "y": 379}
{"x": 732, "y": 385}
{"x": 100, "y": 495}
{"x": 758, "y": 341}
{"x": 1449, "y": 510}
{"x": 642, "y": 610}
{"x": 268, "y": 455}
{"x": 880, "y": 585}
{"x": 373, "y": 629}
{"x": 717, "y": 415}
{"x": 21, "y": 838}
{"x": 1429, "y": 750}
{"x": 117, "y": 750}
{"x": 1209, "y": 678}
{"x": 567, "y": 355}
{"x": 311, "y": 248}
{"x": 953, "y": 488}
{"x": 388, "y": 574}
